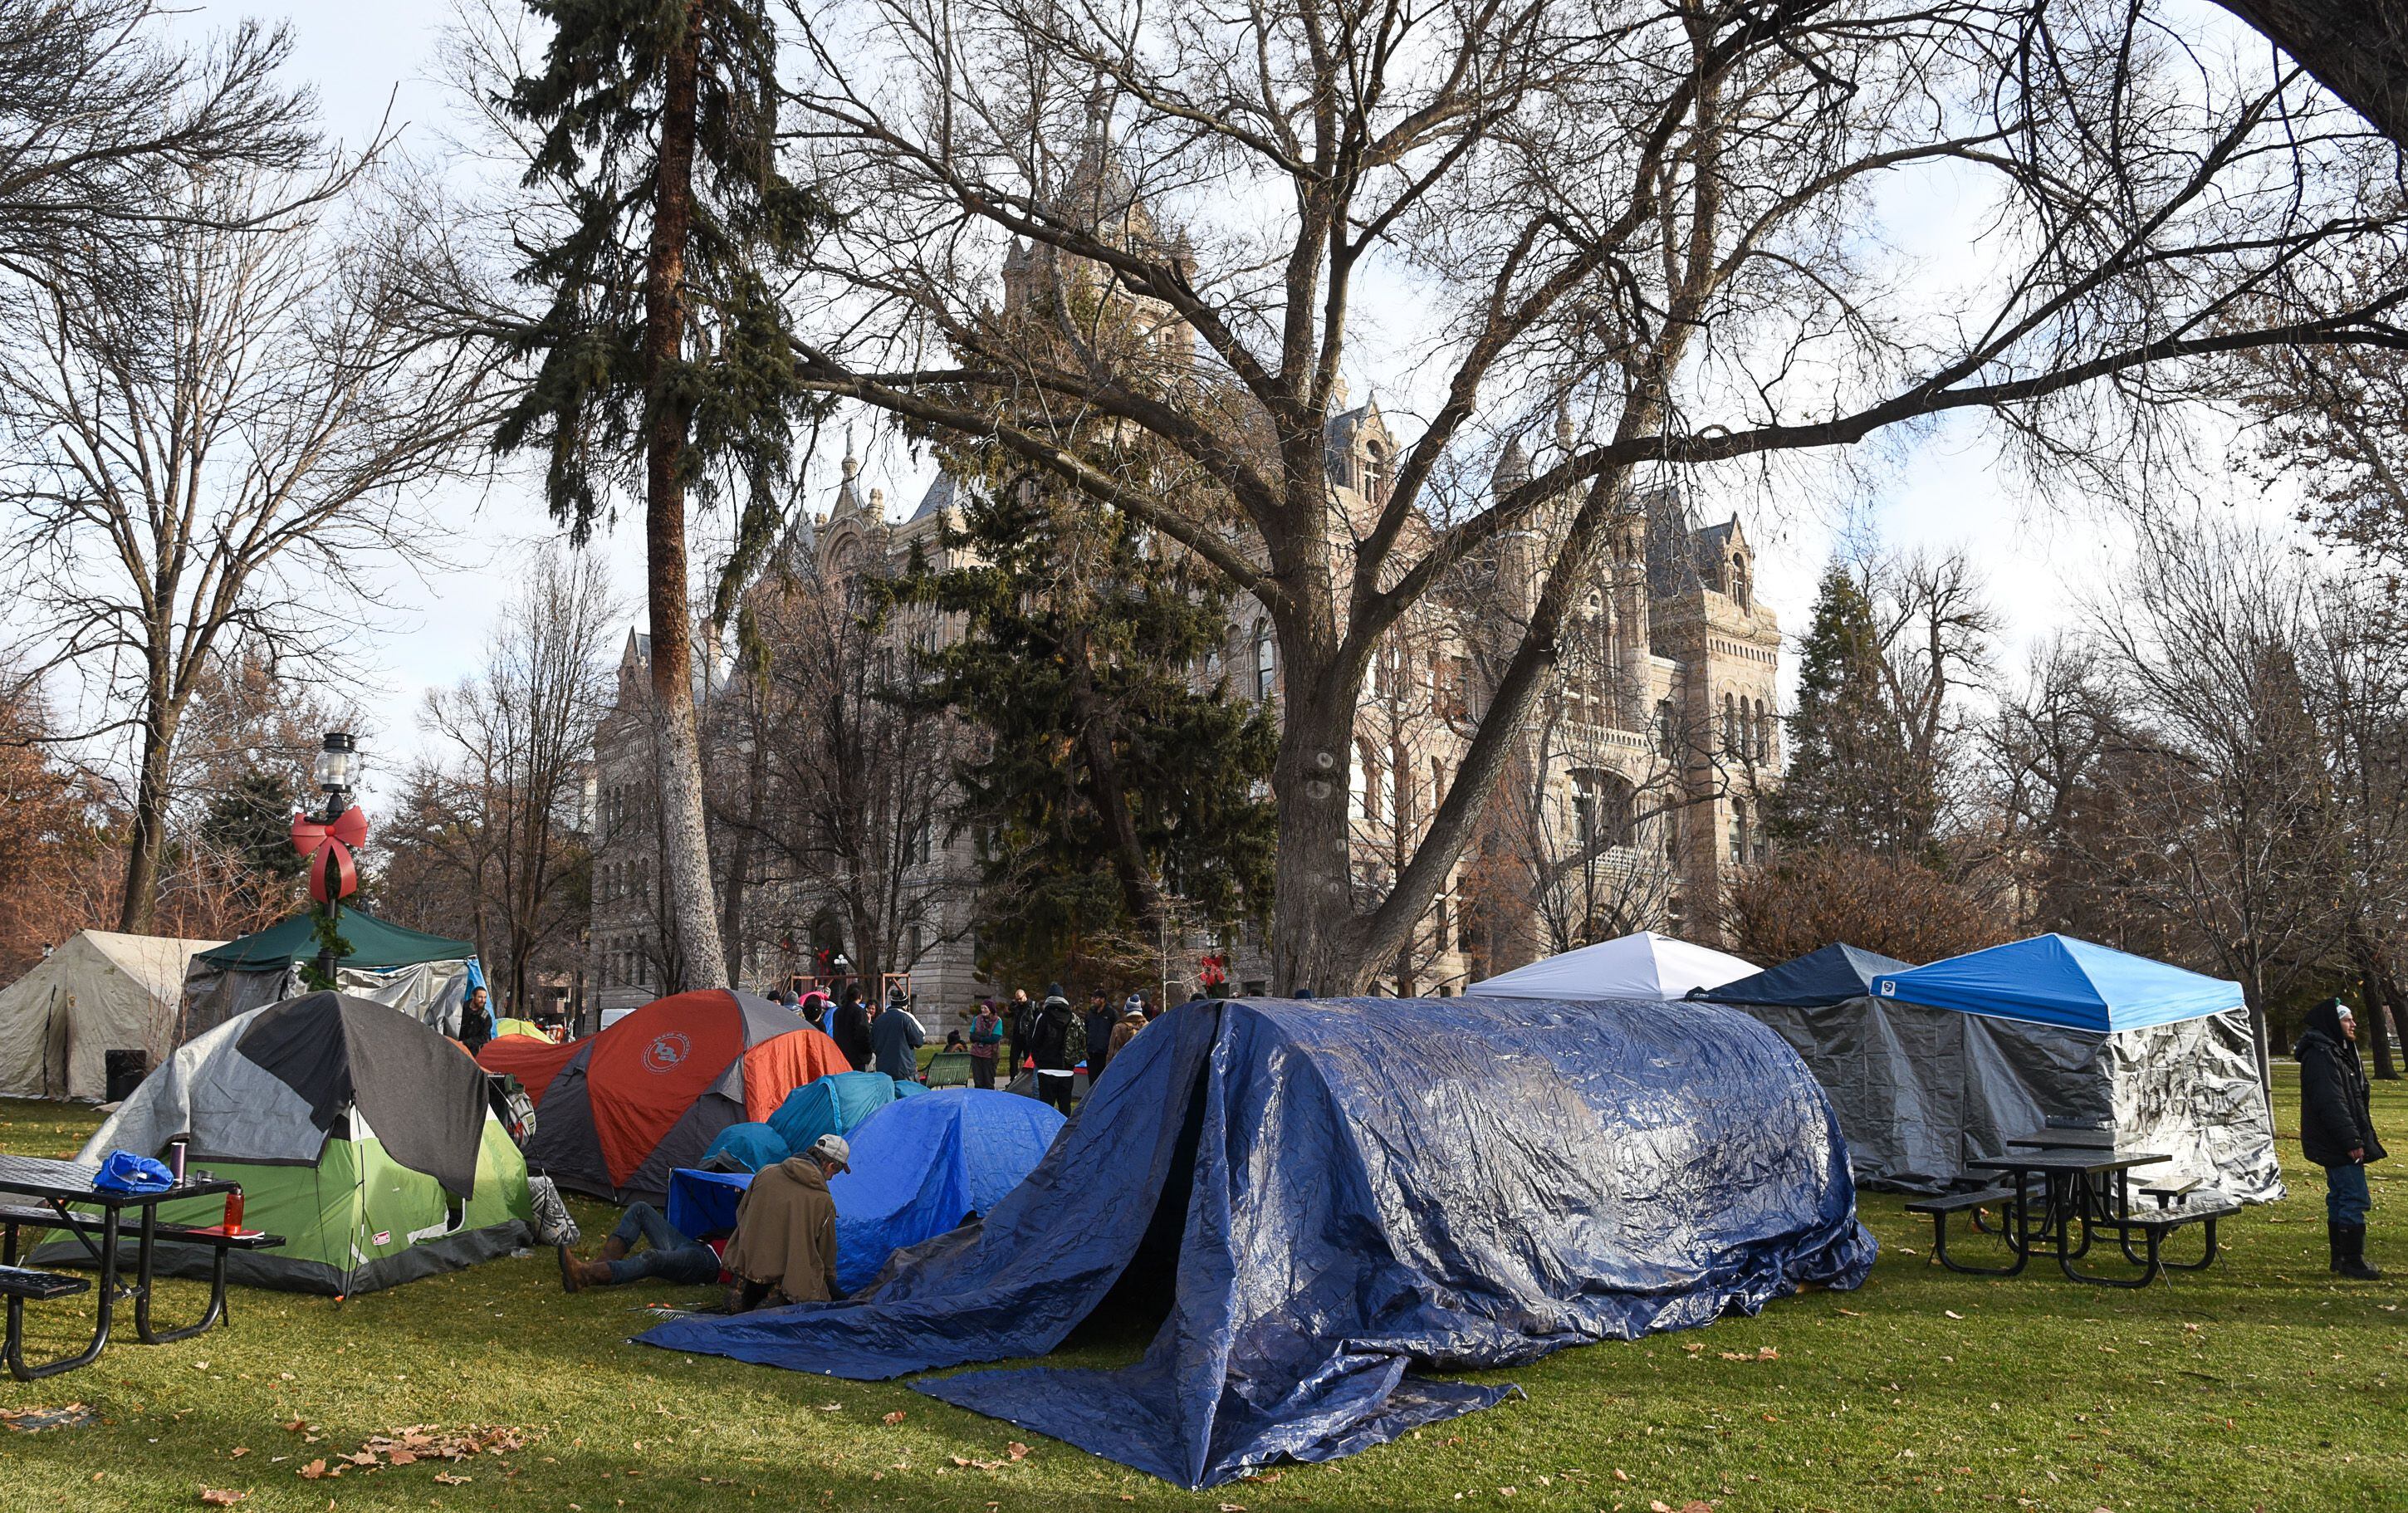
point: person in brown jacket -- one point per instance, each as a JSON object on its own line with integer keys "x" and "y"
{"x": 1132, "y": 1020}
{"x": 785, "y": 1229}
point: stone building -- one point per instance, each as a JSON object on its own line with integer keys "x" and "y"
{"x": 1635, "y": 789}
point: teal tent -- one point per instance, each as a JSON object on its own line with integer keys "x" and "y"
{"x": 424, "y": 976}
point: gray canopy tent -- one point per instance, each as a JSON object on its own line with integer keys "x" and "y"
{"x": 1929, "y": 1067}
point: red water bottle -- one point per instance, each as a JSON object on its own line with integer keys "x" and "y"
{"x": 233, "y": 1212}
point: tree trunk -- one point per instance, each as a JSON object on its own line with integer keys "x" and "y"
{"x": 739, "y": 858}
{"x": 136, "y": 912}
{"x": 2358, "y": 51}
{"x": 1316, "y": 936}
{"x": 2386, "y": 1010}
{"x": 685, "y": 840}
{"x": 2369, "y": 976}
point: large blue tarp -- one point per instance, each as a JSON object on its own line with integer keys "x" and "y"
{"x": 1318, "y": 1197}
{"x": 2063, "y": 981}
{"x": 833, "y": 1105}
{"x": 1833, "y": 975}
{"x": 922, "y": 1164}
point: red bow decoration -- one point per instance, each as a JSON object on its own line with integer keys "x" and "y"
{"x": 329, "y": 845}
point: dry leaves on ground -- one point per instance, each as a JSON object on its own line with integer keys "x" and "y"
{"x": 420, "y": 1442}
{"x": 222, "y": 1496}
{"x": 894, "y": 1417}
{"x": 1763, "y": 1352}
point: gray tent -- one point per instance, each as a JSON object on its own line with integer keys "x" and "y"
{"x": 1930, "y": 1067}
{"x": 424, "y": 976}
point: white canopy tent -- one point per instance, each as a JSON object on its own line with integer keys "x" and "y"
{"x": 1642, "y": 966}
{"x": 98, "y": 992}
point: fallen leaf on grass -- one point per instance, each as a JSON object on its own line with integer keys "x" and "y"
{"x": 1233, "y": 1508}
{"x": 831, "y": 1407}
{"x": 294, "y": 1427}
{"x": 1850, "y": 1313}
{"x": 238, "y": 1450}
{"x": 1763, "y": 1352}
{"x": 312, "y": 1471}
{"x": 1016, "y": 1451}
{"x": 222, "y": 1496}
{"x": 894, "y": 1417}
{"x": 448, "y": 1480}
{"x": 1951, "y": 1313}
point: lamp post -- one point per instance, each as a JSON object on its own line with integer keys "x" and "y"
{"x": 329, "y": 840}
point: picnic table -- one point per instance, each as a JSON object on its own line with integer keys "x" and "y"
{"x": 54, "y": 1185}
{"x": 2084, "y": 1191}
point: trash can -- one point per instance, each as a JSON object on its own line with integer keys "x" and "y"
{"x": 124, "y": 1072}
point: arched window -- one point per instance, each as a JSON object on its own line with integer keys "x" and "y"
{"x": 1265, "y": 664}
{"x": 1741, "y": 590}
{"x": 1663, "y": 725}
{"x": 1763, "y": 732}
{"x": 1602, "y": 806}
{"x": 1376, "y": 477}
{"x": 1731, "y": 727}
{"x": 1739, "y": 832}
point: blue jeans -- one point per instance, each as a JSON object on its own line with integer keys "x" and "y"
{"x": 2346, "y": 1199}
{"x": 670, "y": 1255}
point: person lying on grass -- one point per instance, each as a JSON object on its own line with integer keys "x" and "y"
{"x": 783, "y": 1248}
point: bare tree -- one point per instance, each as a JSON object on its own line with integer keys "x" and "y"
{"x": 222, "y": 467}
{"x": 102, "y": 118}
{"x": 845, "y": 793}
{"x": 509, "y": 772}
{"x": 1650, "y": 216}
{"x": 2229, "y": 792}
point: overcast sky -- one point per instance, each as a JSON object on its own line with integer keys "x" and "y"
{"x": 1940, "y": 491}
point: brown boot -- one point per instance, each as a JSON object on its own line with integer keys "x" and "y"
{"x": 571, "y": 1270}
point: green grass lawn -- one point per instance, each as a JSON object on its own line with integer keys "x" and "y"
{"x": 2262, "y": 1383}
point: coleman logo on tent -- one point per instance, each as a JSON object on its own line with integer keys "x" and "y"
{"x": 1890, "y": 989}
{"x": 666, "y": 1052}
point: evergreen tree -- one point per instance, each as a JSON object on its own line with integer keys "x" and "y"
{"x": 250, "y": 827}
{"x": 1852, "y": 781}
{"x": 664, "y": 359}
{"x": 1074, "y": 665}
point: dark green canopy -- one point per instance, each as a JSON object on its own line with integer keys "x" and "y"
{"x": 375, "y": 945}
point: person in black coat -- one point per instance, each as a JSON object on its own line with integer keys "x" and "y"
{"x": 476, "y": 1021}
{"x": 1100, "y": 1020}
{"x": 1049, "y": 1043}
{"x": 852, "y": 1031}
{"x": 2337, "y": 1129}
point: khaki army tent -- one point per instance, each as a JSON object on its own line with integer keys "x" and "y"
{"x": 98, "y": 992}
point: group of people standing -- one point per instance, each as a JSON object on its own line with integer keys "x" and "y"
{"x": 1049, "y": 1039}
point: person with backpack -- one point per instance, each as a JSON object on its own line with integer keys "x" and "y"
{"x": 2337, "y": 1131}
{"x": 1050, "y": 1043}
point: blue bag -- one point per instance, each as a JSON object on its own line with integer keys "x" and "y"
{"x": 126, "y": 1172}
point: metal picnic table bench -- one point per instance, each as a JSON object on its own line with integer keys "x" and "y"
{"x": 54, "y": 1185}
{"x": 2084, "y": 1187}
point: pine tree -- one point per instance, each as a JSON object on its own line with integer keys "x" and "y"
{"x": 1115, "y": 801}
{"x": 664, "y": 363}
{"x": 1851, "y": 780}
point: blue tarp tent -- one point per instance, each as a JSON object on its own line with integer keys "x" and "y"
{"x": 1833, "y": 975}
{"x": 748, "y": 1148}
{"x": 919, "y": 1167}
{"x": 921, "y": 1164}
{"x": 2061, "y": 981}
{"x": 833, "y": 1105}
{"x": 1311, "y": 1213}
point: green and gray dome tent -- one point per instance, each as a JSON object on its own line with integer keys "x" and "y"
{"x": 424, "y": 976}
{"x": 359, "y": 1135}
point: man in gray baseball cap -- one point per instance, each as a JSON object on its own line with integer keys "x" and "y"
{"x": 785, "y": 1229}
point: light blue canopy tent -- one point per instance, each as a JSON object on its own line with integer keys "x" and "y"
{"x": 2062, "y": 981}
{"x": 1930, "y": 1067}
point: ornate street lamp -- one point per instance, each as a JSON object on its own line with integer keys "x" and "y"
{"x": 329, "y": 841}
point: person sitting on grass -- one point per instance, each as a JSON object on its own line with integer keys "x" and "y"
{"x": 784, "y": 1242}
{"x": 668, "y": 1254}
{"x": 785, "y": 1229}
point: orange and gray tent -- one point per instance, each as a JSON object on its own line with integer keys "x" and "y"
{"x": 617, "y": 1112}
